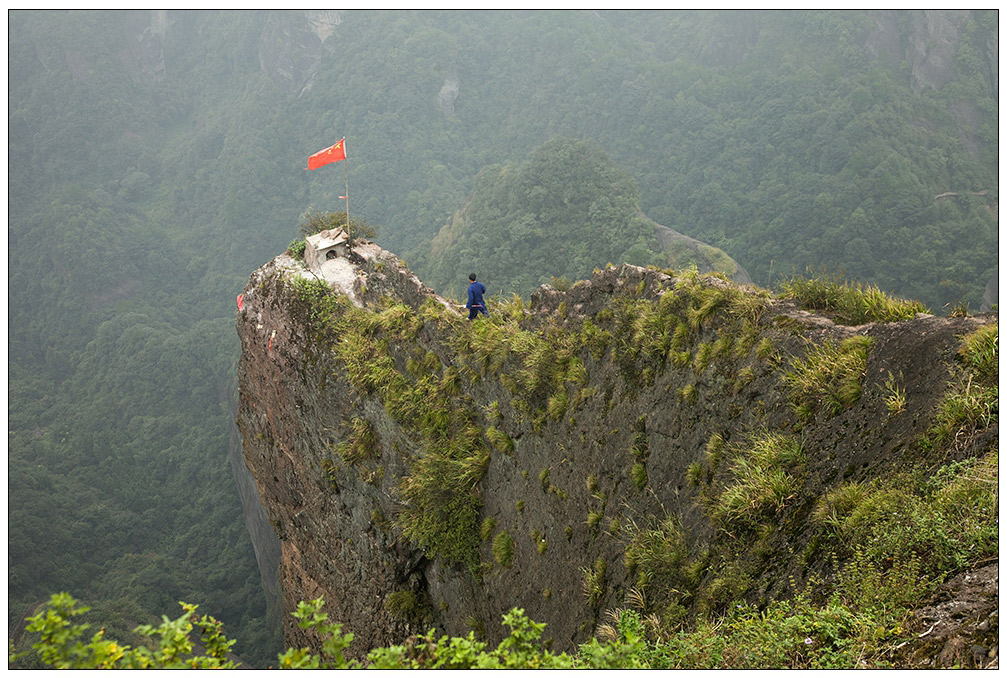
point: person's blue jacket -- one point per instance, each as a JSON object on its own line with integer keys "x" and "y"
{"x": 476, "y": 292}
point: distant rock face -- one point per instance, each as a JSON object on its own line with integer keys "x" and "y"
{"x": 932, "y": 47}
{"x": 323, "y": 22}
{"x": 446, "y": 97}
{"x": 145, "y": 55}
{"x": 291, "y": 47}
{"x": 929, "y": 45}
{"x": 929, "y": 41}
{"x": 567, "y": 481}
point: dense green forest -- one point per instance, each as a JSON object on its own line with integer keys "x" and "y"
{"x": 560, "y": 214}
{"x": 156, "y": 158}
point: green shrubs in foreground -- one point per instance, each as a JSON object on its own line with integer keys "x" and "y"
{"x": 788, "y": 634}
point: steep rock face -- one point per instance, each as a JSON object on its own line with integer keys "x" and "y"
{"x": 330, "y": 544}
{"x": 264, "y": 541}
{"x": 927, "y": 40}
{"x": 144, "y": 55}
{"x": 930, "y": 42}
{"x": 291, "y": 47}
{"x": 577, "y": 428}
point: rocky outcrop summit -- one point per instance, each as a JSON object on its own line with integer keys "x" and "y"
{"x": 421, "y": 470}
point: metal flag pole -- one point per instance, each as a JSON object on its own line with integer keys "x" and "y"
{"x": 346, "y": 177}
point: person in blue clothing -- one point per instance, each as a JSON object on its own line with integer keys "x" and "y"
{"x": 475, "y": 304}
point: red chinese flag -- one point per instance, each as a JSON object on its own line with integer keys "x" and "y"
{"x": 327, "y": 155}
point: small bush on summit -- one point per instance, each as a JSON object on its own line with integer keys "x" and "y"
{"x": 316, "y": 222}
{"x": 296, "y": 249}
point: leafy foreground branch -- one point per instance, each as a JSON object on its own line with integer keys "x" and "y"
{"x": 63, "y": 645}
{"x": 794, "y": 634}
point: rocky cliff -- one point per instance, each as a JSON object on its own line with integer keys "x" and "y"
{"x": 424, "y": 471}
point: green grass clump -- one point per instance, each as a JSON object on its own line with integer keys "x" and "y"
{"x": 639, "y": 474}
{"x": 764, "y": 349}
{"x": 441, "y": 514}
{"x": 407, "y": 605}
{"x": 895, "y": 395}
{"x": 666, "y": 575}
{"x": 595, "y": 339}
{"x": 500, "y": 440}
{"x": 594, "y": 581}
{"x": 850, "y": 302}
{"x": 704, "y": 352}
{"x": 828, "y": 377}
{"x": 748, "y": 305}
{"x": 658, "y": 555}
{"x": 722, "y": 347}
{"x": 761, "y": 479}
{"x": 688, "y": 393}
{"x": 794, "y": 634}
{"x": 980, "y": 353}
{"x": 503, "y": 549}
{"x": 557, "y": 404}
{"x": 296, "y": 249}
{"x": 486, "y": 531}
{"x": 966, "y": 409}
{"x": 315, "y": 222}
{"x": 744, "y": 377}
{"x": 838, "y": 504}
{"x": 361, "y": 444}
{"x": 695, "y": 473}
{"x": 714, "y": 450}
{"x": 703, "y": 304}
{"x": 972, "y": 402}
{"x": 681, "y": 338}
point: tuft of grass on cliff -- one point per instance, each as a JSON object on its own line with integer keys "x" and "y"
{"x": 849, "y": 302}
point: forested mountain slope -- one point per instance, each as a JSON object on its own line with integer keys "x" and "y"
{"x": 155, "y": 157}
{"x": 556, "y": 216}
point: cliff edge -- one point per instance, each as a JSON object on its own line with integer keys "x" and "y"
{"x": 600, "y": 447}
